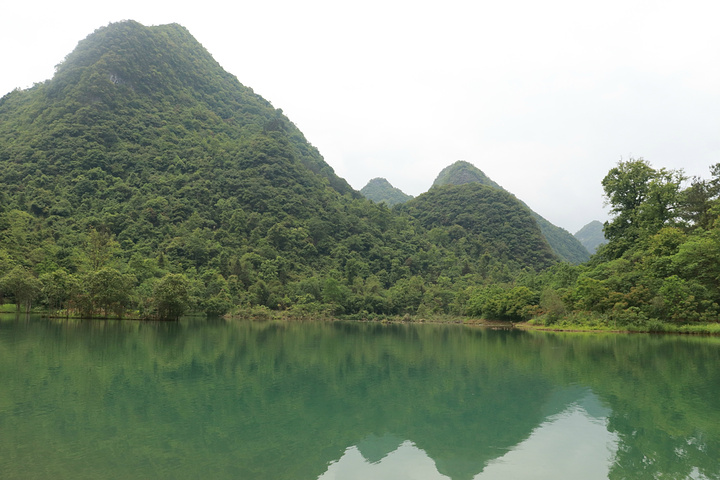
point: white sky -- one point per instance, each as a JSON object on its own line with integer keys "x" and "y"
{"x": 544, "y": 97}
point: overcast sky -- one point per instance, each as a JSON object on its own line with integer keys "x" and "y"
{"x": 544, "y": 97}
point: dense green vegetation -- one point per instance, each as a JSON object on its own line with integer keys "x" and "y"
{"x": 379, "y": 190}
{"x": 143, "y": 168}
{"x": 483, "y": 223}
{"x": 564, "y": 245}
{"x": 143, "y": 180}
{"x": 591, "y": 236}
{"x": 662, "y": 259}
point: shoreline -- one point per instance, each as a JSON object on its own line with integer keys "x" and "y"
{"x": 707, "y": 329}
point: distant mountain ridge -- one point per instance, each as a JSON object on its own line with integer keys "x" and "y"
{"x": 591, "y": 236}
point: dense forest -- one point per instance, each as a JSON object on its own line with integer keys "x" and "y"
{"x": 662, "y": 259}
{"x": 565, "y": 246}
{"x": 144, "y": 181}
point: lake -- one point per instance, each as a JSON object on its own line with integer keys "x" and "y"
{"x": 347, "y": 400}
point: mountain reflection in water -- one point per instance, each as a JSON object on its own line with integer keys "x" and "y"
{"x": 312, "y": 400}
{"x": 571, "y": 442}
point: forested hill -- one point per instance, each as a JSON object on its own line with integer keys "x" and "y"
{"x": 591, "y": 236}
{"x": 130, "y": 91}
{"x": 561, "y": 241}
{"x": 144, "y": 177}
{"x": 379, "y": 190}
{"x": 482, "y": 222}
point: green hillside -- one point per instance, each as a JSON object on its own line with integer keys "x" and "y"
{"x": 379, "y": 190}
{"x": 482, "y": 222}
{"x": 561, "y": 241}
{"x": 144, "y": 178}
{"x": 591, "y": 236}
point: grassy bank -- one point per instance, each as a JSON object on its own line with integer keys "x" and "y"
{"x": 591, "y": 322}
{"x": 575, "y": 322}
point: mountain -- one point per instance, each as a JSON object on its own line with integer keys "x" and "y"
{"x": 143, "y": 173}
{"x": 141, "y": 130}
{"x": 561, "y": 241}
{"x": 462, "y": 172}
{"x": 129, "y": 77}
{"x": 379, "y": 190}
{"x": 483, "y": 222}
{"x": 591, "y": 236}
{"x": 143, "y": 147}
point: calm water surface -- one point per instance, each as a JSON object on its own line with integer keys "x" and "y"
{"x": 242, "y": 400}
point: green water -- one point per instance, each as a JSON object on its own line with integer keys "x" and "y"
{"x": 242, "y": 400}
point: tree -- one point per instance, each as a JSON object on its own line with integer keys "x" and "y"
{"x": 57, "y": 288}
{"x": 519, "y": 302}
{"x": 108, "y": 291}
{"x": 23, "y": 285}
{"x": 699, "y": 259}
{"x": 218, "y": 304}
{"x": 699, "y": 202}
{"x": 592, "y": 294}
{"x": 172, "y": 296}
{"x": 101, "y": 248}
{"x": 643, "y": 199}
{"x": 552, "y": 304}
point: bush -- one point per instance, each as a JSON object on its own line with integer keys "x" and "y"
{"x": 630, "y": 316}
